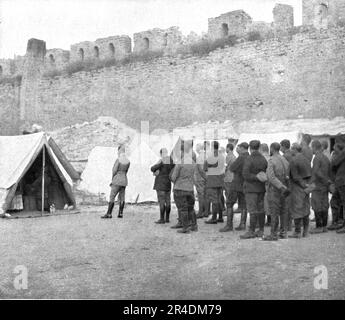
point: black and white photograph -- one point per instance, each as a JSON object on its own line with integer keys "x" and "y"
{"x": 182, "y": 153}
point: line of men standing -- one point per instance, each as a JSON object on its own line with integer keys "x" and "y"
{"x": 285, "y": 182}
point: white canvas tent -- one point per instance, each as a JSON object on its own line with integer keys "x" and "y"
{"x": 143, "y": 152}
{"x": 20, "y": 154}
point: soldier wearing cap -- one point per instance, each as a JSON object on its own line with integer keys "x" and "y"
{"x": 119, "y": 183}
{"x": 300, "y": 168}
{"x": 236, "y": 190}
{"x": 254, "y": 172}
{"x": 338, "y": 165}
{"x": 321, "y": 175}
{"x": 200, "y": 180}
{"x": 214, "y": 167}
{"x": 162, "y": 185}
{"x": 278, "y": 172}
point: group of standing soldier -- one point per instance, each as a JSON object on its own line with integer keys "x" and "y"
{"x": 282, "y": 184}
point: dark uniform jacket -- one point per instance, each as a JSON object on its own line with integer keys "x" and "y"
{"x": 321, "y": 172}
{"x": 162, "y": 181}
{"x": 237, "y": 168}
{"x": 338, "y": 165}
{"x": 307, "y": 152}
{"x": 254, "y": 164}
{"x": 278, "y": 172}
{"x": 288, "y": 155}
{"x": 120, "y": 170}
{"x": 300, "y": 169}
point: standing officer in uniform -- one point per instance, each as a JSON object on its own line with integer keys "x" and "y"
{"x": 229, "y": 175}
{"x": 119, "y": 183}
{"x": 336, "y": 207}
{"x": 300, "y": 168}
{"x": 254, "y": 189}
{"x": 321, "y": 172}
{"x": 182, "y": 177}
{"x": 214, "y": 167}
{"x": 278, "y": 172}
{"x": 200, "y": 180}
{"x": 162, "y": 185}
{"x": 236, "y": 190}
{"x": 287, "y": 153}
{"x": 306, "y": 150}
{"x": 338, "y": 164}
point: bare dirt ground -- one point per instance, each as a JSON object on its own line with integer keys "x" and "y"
{"x": 83, "y": 256}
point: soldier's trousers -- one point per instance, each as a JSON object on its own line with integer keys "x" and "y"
{"x": 278, "y": 208}
{"x": 200, "y": 189}
{"x": 185, "y": 201}
{"x": 301, "y": 221}
{"x": 337, "y": 204}
{"x": 255, "y": 207}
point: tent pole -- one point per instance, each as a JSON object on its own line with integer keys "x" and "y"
{"x": 43, "y": 167}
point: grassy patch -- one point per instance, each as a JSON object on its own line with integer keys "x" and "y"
{"x": 205, "y": 46}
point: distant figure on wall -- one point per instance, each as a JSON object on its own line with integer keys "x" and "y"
{"x": 119, "y": 183}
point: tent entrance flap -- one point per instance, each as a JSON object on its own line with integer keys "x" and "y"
{"x": 42, "y": 186}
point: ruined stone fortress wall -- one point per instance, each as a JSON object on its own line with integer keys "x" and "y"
{"x": 300, "y": 74}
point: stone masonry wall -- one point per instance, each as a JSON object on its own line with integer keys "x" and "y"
{"x": 9, "y": 111}
{"x": 274, "y": 79}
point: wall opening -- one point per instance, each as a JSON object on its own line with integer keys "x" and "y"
{"x": 51, "y": 59}
{"x": 321, "y": 15}
{"x": 1, "y": 71}
{"x": 146, "y": 44}
{"x": 81, "y": 54}
{"x": 96, "y": 52}
{"x": 225, "y": 30}
{"x": 165, "y": 40}
{"x": 112, "y": 50}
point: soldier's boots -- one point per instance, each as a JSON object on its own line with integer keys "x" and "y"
{"x": 342, "y": 230}
{"x": 207, "y": 209}
{"x": 167, "y": 214}
{"x": 121, "y": 207}
{"x": 305, "y": 228}
{"x": 242, "y": 225}
{"x": 108, "y": 215}
{"x": 259, "y": 233}
{"x": 283, "y": 235}
{"x": 194, "y": 224}
{"x": 229, "y": 222}
{"x": 220, "y": 217}
{"x": 185, "y": 223}
{"x": 161, "y": 217}
{"x": 178, "y": 225}
{"x": 215, "y": 210}
{"x": 333, "y": 226}
{"x": 248, "y": 235}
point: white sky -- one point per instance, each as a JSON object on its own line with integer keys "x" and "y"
{"x": 64, "y": 22}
